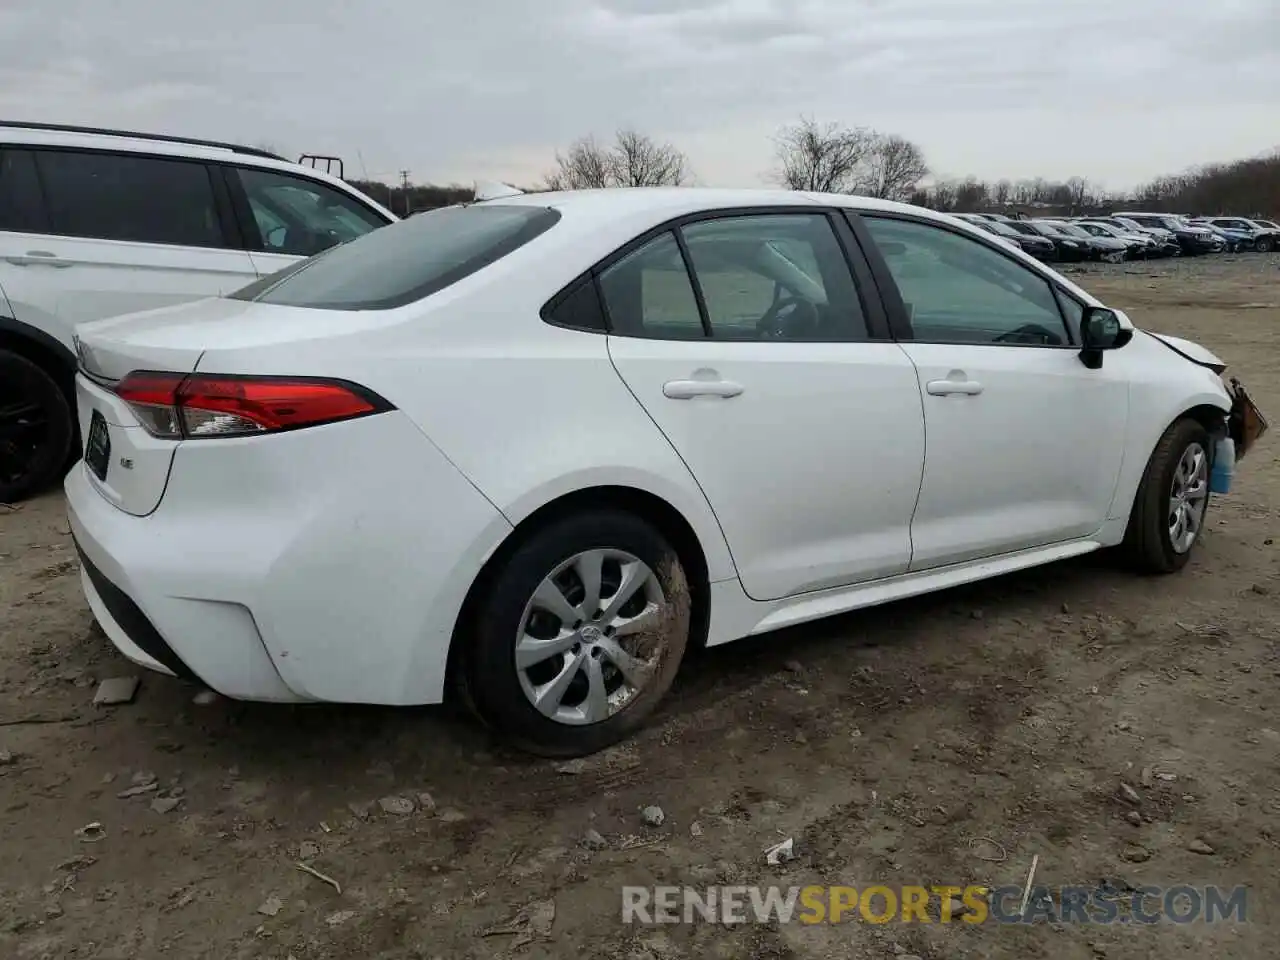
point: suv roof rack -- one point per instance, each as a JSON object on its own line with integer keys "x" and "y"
{"x": 314, "y": 160}
{"x": 135, "y": 135}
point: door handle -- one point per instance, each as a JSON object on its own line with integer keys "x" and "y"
{"x": 38, "y": 258}
{"x": 950, "y": 388}
{"x": 688, "y": 389}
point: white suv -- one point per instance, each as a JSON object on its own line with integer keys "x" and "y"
{"x": 95, "y": 223}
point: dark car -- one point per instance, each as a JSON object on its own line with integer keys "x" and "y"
{"x": 1039, "y": 247}
{"x": 1264, "y": 237}
{"x": 1235, "y": 240}
{"x": 1141, "y": 245}
{"x": 1066, "y": 249}
{"x": 1192, "y": 239}
{"x": 1169, "y": 245}
{"x": 1107, "y": 248}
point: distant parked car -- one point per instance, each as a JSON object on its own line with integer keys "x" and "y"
{"x": 1106, "y": 248}
{"x": 1065, "y": 249}
{"x": 1235, "y": 240}
{"x": 1140, "y": 244}
{"x": 1039, "y": 247}
{"x": 1166, "y": 238}
{"x": 1192, "y": 239}
{"x": 1264, "y": 237}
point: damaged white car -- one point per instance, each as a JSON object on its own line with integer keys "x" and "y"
{"x": 536, "y": 447}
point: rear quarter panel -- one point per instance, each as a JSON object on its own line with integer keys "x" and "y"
{"x": 527, "y": 411}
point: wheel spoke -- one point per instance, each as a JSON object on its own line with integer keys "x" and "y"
{"x": 13, "y": 463}
{"x": 547, "y": 698}
{"x": 532, "y": 650}
{"x": 1191, "y": 521}
{"x": 634, "y": 671}
{"x": 1196, "y": 491}
{"x": 646, "y": 618}
{"x": 634, "y": 576}
{"x": 549, "y": 598}
{"x": 589, "y": 567}
{"x": 596, "y": 706}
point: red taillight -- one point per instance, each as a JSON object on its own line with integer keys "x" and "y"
{"x": 199, "y": 405}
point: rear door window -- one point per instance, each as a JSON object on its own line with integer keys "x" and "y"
{"x": 302, "y": 217}
{"x": 122, "y": 196}
{"x": 405, "y": 261}
{"x": 21, "y": 206}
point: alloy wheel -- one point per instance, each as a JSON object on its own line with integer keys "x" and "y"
{"x": 1188, "y": 497}
{"x": 584, "y": 648}
{"x": 24, "y": 427}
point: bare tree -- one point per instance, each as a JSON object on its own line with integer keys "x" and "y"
{"x": 585, "y": 165}
{"x": 1079, "y": 195}
{"x": 894, "y": 167}
{"x": 823, "y": 158}
{"x": 639, "y": 161}
{"x": 632, "y": 160}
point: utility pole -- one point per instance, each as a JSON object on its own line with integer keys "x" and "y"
{"x": 404, "y": 185}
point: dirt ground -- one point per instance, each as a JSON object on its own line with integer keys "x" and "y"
{"x": 884, "y": 743}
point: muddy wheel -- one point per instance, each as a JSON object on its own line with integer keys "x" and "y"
{"x": 580, "y": 636}
{"x": 1169, "y": 511}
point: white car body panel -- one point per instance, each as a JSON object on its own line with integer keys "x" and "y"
{"x": 859, "y": 493}
{"x": 1032, "y": 460}
{"x": 335, "y": 560}
{"x": 1191, "y": 350}
{"x": 53, "y": 283}
{"x": 89, "y": 279}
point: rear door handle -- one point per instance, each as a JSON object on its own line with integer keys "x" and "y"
{"x": 38, "y": 258}
{"x": 949, "y": 388}
{"x": 688, "y": 389}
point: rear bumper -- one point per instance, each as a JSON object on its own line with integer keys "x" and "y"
{"x": 324, "y": 564}
{"x": 214, "y": 643}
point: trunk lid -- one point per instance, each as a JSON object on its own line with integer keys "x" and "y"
{"x": 170, "y": 338}
{"x": 124, "y": 462}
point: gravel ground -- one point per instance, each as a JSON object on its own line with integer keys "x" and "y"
{"x": 884, "y": 743}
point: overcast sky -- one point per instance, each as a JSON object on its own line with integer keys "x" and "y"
{"x": 1115, "y": 90}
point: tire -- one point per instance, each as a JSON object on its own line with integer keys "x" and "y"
{"x": 1148, "y": 542}
{"x": 502, "y": 693}
{"x": 1263, "y": 245}
{"x": 36, "y": 428}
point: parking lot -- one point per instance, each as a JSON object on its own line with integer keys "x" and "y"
{"x": 947, "y": 740}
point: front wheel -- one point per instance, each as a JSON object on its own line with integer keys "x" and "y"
{"x": 1263, "y": 245}
{"x": 1169, "y": 511}
{"x": 36, "y": 428}
{"x": 580, "y": 635}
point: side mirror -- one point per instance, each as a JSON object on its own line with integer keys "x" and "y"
{"x": 1100, "y": 330}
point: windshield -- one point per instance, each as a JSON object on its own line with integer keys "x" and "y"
{"x": 405, "y": 261}
{"x": 997, "y": 226}
{"x": 1071, "y": 230}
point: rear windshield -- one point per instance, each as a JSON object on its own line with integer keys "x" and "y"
{"x": 406, "y": 261}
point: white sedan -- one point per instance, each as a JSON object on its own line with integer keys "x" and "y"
{"x": 534, "y": 448}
